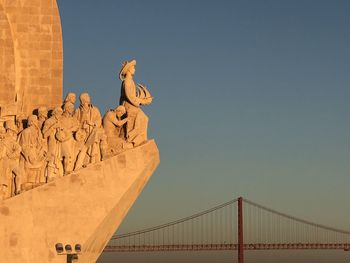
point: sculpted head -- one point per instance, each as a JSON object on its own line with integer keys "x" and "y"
{"x": 84, "y": 99}
{"x": 33, "y": 121}
{"x": 19, "y": 120}
{"x": 128, "y": 69}
{"x": 68, "y": 108}
{"x": 57, "y": 112}
{"x": 70, "y": 98}
{"x": 42, "y": 112}
{"x": 120, "y": 111}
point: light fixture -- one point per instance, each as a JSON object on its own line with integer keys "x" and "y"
{"x": 77, "y": 248}
{"x": 59, "y": 248}
{"x": 67, "y": 250}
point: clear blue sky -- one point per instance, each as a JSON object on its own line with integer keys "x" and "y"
{"x": 251, "y": 99}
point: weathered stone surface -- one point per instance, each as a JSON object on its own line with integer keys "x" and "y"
{"x": 85, "y": 207}
{"x": 31, "y": 56}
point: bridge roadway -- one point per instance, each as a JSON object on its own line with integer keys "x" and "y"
{"x": 208, "y": 247}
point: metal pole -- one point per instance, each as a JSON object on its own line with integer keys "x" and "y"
{"x": 240, "y": 231}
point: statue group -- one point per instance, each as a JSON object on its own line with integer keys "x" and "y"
{"x": 37, "y": 149}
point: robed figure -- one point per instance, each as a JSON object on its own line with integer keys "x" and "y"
{"x": 132, "y": 97}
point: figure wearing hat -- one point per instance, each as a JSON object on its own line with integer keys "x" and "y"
{"x": 132, "y": 97}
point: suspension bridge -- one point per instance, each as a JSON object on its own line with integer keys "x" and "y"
{"x": 238, "y": 225}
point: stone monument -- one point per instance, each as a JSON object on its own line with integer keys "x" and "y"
{"x": 66, "y": 175}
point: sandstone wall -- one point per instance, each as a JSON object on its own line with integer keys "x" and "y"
{"x": 31, "y": 56}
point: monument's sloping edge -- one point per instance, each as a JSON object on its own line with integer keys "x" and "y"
{"x": 98, "y": 241}
{"x": 85, "y": 207}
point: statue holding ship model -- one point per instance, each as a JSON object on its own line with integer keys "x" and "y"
{"x": 132, "y": 97}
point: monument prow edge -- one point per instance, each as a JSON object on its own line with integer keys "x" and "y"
{"x": 85, "y": 207}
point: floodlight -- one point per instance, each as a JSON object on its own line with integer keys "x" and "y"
{"x": 77, "y": 248}
{"x": 59, "y": 248}
{"x": 68, "y": 248}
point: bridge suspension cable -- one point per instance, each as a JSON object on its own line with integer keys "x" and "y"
{"x": 179, "y": 221}
{"x": 264, "y": 225}
{"x": 239, "y": 224}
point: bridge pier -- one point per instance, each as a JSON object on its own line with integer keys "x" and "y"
{"x": 240, "y": 231}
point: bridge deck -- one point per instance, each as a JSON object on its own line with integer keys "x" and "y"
{"x": 208, "y": 247}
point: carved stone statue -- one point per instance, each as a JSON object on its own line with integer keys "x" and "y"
{"x": 69, "y": 125}
{"x": 40, "y": 149}
{"x": 132, "y": 98}
{"x": 50, "y": 132}
{"x": 42, "y": 116}
{"x": 3, "y": 181}
{"x": 113, "y": 124}
{"x": 34, "y": 151}
{"x": 90, "y": 121}
{"x": 2, "y": 133}
{"x": 10, "y": 168}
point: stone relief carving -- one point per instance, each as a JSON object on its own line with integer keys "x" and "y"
{"x": 34, "y": 155}
{"x": 69, "y": 125}
{"x": 90, "y": 121}
{"x": 50, "y": 132}
{"x": 10, "y": 152}
{"x": 41, "y": 148}
{"x": 3, "y": 182}
{"x": 114, "y": 124}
